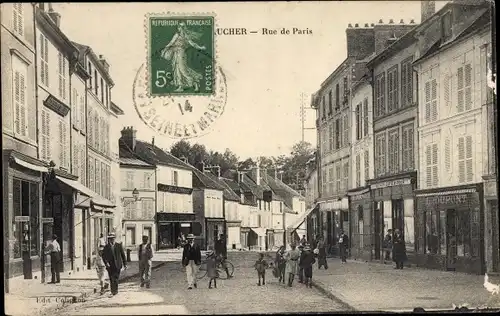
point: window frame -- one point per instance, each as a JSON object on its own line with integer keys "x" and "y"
{"x": 20, "y": 67}
{"x": 18, "y": 16}
{"x": 392, "y": 89}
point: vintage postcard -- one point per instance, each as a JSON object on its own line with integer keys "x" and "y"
{"x": 199, "y": 158}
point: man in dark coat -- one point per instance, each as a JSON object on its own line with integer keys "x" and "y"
{"x": 398, "y": 249}
{"x": 191, "y": 259}
{"x": 114, "y": 259}
{"x": 221, "y": 253}
{"x": 343, "y": 246}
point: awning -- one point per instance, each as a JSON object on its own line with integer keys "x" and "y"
{"x": 31, "y": 166}
{"x": 96, "y": 198}
{"x": 302, "y": 218}
{"x": 261, "y": 232}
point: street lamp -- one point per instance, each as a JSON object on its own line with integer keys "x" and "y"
{"x": 135, "y": 196}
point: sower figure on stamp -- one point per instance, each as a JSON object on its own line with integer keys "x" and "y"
{"x": 292, "y": 257}
{"x": 145, "y": 255}
{"x": 175, "y": 51}
{"x": 191, "y": 259}
{"x": 54, "y": 250}
{"x": 115, "y": 261}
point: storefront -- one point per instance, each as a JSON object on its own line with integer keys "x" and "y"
{"x": 450, "y": 229}
{"x": 393, "y": 208}
{"x": 270, "y": 239}
{"x": 171, "y": 225}
{"x": 233, "y": 231}
{"x": 313, "y": 224}
{"x": 360, "y": 210}
{"x": 214, "y": 227}
{"x": 491, "y": 239}
{"x": 244, "y": 238}
{"x": 334, "y": 216}
{"x": 257, "y": 238}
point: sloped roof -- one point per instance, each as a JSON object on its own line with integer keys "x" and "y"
{"x": 228, "y": 193}
{"x": 83, "y": 50}
{"x": 201, "y": 180}
{"x": 127, "y": 157}
{"x": 283, "y": 190}
{"x": 157, "y": 156}
{"x": 258, "y": 191}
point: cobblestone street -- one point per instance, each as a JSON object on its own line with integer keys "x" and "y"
{"x": 169, "y": 295}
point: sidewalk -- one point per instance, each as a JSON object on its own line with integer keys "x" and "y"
{"x": 30, "y": 297}
{"x": 379, "y": 287}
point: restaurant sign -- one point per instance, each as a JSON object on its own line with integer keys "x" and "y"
{"x": 393, "y": 183}
{"x": 455, "y": 199}
{"x": 174, "y": 189}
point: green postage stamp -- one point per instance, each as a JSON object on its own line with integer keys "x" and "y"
{"x": 181, "y": 55}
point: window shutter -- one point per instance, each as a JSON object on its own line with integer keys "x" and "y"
{"x": 358, "y": 170}
{"x": 395, "y": 86}
{"x": 468, "y": 87}
{"x": 365, "y": 113}
{"x": 82, "y": 113}
{"x": 428, "y": 155}
{"x": 435, "y": 165}
{"x": 98, "y": 177}
{"x": 460, "y": 91}
{"x": 404, "y": 69}
{"x": 42, "y": 56}
{"x": 46, "y": 64}
{"x": 65, "y": 145}
{"x": 382, "y": 94}
{"x": 447, "y": 154}
{"x": 76, "y": 154}
{"x": 61, "y": 144}
{"x": 44, "y": 136}
{"x": 434, "y": 107}
{"x": 390, "y": 82}
{"x": 82, "y": 162}
{"x": 60, "y": 71}
{"x": 461, "y": 160}
{"x": 18, "y": 18}
{"x": 346, "y": 130}
{"x": 22, "y": 104}
{"x": 90, "y": 131}
{"x": 390, "y": 147}
{"x": 17, "y": 102}
{"x": 427, "y": 101}
{"x": 469, "y": 160}
{"x": 91, "y": 174}
{"x": 367, "y": 162}
{"x": 64, "y": 96}
{"x": 96, "y": 132}
{"x": 446, "y": 90}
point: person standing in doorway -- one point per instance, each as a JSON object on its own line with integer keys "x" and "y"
{"x": 343, "y": 246}
{"x": 321, "y": 254}
{"x": 102, "y": 241}
{"x": 191, "y": 259}
{"x": 388, "y": 245}
{"x": 398, "y": 249}
{"x": 303, "y": 241}
{"x": 292, "y": 256}
{"x": 115, "y": 261}
{"x": 54, "y": 250}
{"x": 145, "y": 255}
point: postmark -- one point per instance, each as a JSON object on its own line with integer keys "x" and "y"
{"x": 180, "y": 54}
{"x": 179, "y": 117}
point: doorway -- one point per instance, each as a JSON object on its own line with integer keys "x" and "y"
{"x": 398, "y": 215}
{"x": 377, "y": 232}
{"x": 451, "y": 240}
{"x": 329, "y": 227}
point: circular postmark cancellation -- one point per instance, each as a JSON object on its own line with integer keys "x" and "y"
{"x": 178, "y": 116}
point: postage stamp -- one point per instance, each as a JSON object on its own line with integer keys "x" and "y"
{"x": 180, "y": 116}
{"x": 181, "y": 54}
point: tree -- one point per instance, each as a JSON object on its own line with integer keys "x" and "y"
{"x": 182, "y": 149}
{"x": 295, "y": 166}
{"x": 246, "y": 164}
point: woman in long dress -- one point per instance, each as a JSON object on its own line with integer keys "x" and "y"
{"x": 175, "y": 52}
{"x": 322, "y": 254}
{"x": 292, "y": 267}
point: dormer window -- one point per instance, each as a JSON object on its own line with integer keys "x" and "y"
{"x": 446, "y": 26}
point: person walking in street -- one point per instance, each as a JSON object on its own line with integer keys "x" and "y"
{"x": 100, "y": 268}
{"x": 115, "y": 261}
{"x": 322, "y": 254}
{"x": 301, "y": 271}
{"x": 306, "y": 263}
{"x": 388, "y": 245}
{"x": 398, "y": 249}
{"x": 303, "y": 240}
{"x": 260, "y": 266}
{"x": 54, "y": 250}
{"x": 212, "y": 271}
{"x": 343, "y": 246}
{"x": 102, "y": 240}
{"x": 280, "y": 264}
{"x": 292, "y": 256}
{"x": 145, "y": 255}
{"x": 221, "y": 253}
{"x": 191, "y": 259}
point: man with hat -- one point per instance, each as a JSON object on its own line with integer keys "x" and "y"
{"x": 306, "y": 263}
{"x": 191, "y": 259}
{"x": 114, "y": 259}
{"x": 292, "y": 257}
{"x": 301, "y": 270}
{"x": 54, "y": 250}
{"x": 145, "y": 255}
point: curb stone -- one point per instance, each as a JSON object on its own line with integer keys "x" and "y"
{"x": 82, "y": 297}
{"x": 324, "y": 290}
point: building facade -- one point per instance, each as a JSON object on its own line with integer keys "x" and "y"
{"x": 115, "y": 133}
{"x": 453, "y": 118}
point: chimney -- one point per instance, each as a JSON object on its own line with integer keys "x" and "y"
{"x": 412, "y": 21}
{"x": 184, "y": 159}
{"x": 129, "y": 137}
{"x": 427, "y": 8}
{"x": 56, "y": 17}
{"x": 275, "y": 173}
{"x": 202, "y": 166}
{"x": 104, "y": 63}
{"x": 256, "y": 174}
{"x": 391, "y": 21}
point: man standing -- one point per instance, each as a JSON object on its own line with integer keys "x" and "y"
{"x": 343, "y": 246}
{"x": 145, "y": 255}
{"x": 292, "y": 256}
{"x": 191, "y": 259}
{"x": 221, "y": 253}
{"x": 303, "y": 241}
{"x": 54, "y": 250}
{"x": 114, "y": 259}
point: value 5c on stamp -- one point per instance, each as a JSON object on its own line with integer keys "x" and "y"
{"x": 181, "y": 55}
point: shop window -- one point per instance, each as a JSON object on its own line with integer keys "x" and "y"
{"x": 432, "y": 229}
{"x": 130, "y": 236}
{"x": 25, "y": 203}
{"x": 463, "y": 234}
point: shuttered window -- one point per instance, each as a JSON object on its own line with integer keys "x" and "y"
{"x": 431, "y": 101}
{"x": 380, "y": 95}
{"x": 18, "y": 19}
{"x": 63, "y": 143}
{"x": 45, "y": 136}
{"x": 338, "y": 172}
{"x": 97, "y": 137}
{"x": 447, "y": 154}
{"x": 330, "y": 139}
{"x": 464, "y": 88}
{"x": 346, "y": 126}
{"x": 323, "y": 104}
{"x": 331, "y": 183}
{"x": 407, "y": 146}
{"x": 330, "y": 102}
{"x": 81, "y": 108}
{"x": 358, "y": 122}
{"x": 108, "y": 181}
{"x": 76, "y": 158}
{"x": 367, "y": 165}
{"x": 358, "y": 171}
{"x": 90, "y": 129}
{"x": 20, "y": 75}
{"x": 98, "y": 177}
{"x": 62, "y": 75}
{"x": 431, "y": 153}
{"x": 91, "y": 166}
{"x": 337, "y": 97}
{"x": 337, "y": 134}
{"x": 104, "y": 189}
{"x": 365, "y": 117}
{"x": 407, "y": 82}
{"x": 392, "y": 89}
{"x": 465, "y": 160}
{"x": 44, "y": 60}
{"x": 346, "y": 91}
{"x": 130, "y": 180}
{"x": 83, "y": 166}
{"x": 102, "y": 134}
{"x": 380, "y": 154}
{"x": 393, "y": 151}
{"x": 468, "y": 87}
{"x": 345, "y": 173}
{"x": 75, "y": 112}
{"x": 447, "y": 90}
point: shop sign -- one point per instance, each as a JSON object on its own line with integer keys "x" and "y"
{"x": 446, "y": 199}
{"x": 21, "y": 218}
{"x": 47, "y": 220}
{"x": 359, "y": 197}
{"x": 175, "y": 217}
{"x": 174, "y": 189}
{"x": 392, "y": 183}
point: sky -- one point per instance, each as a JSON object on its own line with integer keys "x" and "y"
{"x": 266, "y": 74}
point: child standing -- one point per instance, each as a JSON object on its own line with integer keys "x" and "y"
{"x": 261, "y": 265}
{"x": 212, "y": 272}
{"x": 101, "y": 269}
{"x": 306, "y": 261}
